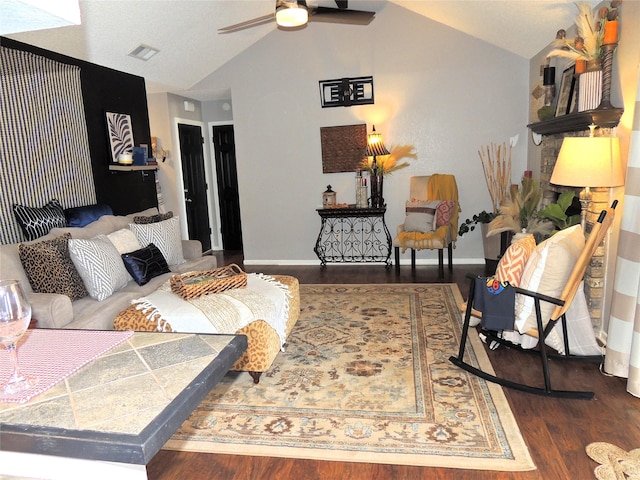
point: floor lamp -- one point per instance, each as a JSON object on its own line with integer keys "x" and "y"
{"x": 588, "y": 162}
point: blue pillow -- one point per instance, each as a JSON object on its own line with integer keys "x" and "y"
{"x": 145, "y": 264}
{"x": 82, "y": 216}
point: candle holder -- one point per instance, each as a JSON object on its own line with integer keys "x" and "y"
{"x": 607, "y": 67}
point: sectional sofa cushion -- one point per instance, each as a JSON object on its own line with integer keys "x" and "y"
{"x": 145, "y": 264}
{"x": 82, "y": 216}
{"x": 37, "y": 222}
{"x": 165, "y": 235}
{"x": 124, "y": 240}
{"x": 49, "y": 268}
{"x": 99, "y": 265}
{"x": 159, "y": 217}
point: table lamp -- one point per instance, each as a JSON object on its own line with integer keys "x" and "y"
{"x": 588, "y": 162}
{"x": 375, "y": 147}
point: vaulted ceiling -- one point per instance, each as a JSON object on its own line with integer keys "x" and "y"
{"x": 185, "y": 31}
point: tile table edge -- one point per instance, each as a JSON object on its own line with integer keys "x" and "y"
{"x": 118, "y": 447}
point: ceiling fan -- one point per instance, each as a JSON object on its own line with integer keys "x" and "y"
{"x": 295, "y": 14}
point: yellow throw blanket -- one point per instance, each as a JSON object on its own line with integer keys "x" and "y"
{"x": 440, "y": 187}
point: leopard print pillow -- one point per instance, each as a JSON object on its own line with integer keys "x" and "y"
{"x": 49, "y": 268}
{"x": 140, "y": 219}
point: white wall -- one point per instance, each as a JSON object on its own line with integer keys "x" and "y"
{"x": 437, "y": 89}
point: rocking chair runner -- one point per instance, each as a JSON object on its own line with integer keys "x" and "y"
{"x": 543, "y": 328}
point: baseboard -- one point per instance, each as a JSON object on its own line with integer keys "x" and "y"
{"x": 425, "y": 261}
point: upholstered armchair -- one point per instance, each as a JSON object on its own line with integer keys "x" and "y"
{"x": 431, "y": 221}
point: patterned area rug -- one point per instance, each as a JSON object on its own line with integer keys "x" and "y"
{"x": 366, "y": 378}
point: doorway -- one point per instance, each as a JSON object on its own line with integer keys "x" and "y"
{"x": 194, "y": 184}
{"x": 227, "y": 178}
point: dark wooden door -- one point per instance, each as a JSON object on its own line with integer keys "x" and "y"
{"x": 227, "y": 175}
{"x": 195, "y": 184}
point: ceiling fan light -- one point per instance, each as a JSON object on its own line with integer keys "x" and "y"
{"x": 290, "y": 15}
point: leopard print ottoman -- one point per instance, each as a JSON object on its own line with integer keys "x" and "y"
{"x": 263, "y": 341}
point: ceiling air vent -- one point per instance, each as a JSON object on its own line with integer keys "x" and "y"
{"x": 143, "y": 52}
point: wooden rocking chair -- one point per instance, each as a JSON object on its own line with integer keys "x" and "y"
{"x": 543, "y": 328}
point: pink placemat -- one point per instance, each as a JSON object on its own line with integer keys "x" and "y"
{"x": 53, "y": 355}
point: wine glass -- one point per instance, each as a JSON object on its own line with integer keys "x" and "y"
{"x": 15, "y": 315}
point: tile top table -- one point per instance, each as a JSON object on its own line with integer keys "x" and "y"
{"x": 123, "y": 406}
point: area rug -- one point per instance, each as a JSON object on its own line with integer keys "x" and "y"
{"x": 366, "y": 378}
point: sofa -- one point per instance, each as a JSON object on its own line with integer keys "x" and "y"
{"x": 97, "y": 309}
{"x": 54, "y": 310}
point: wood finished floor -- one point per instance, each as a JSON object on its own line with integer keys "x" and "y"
{"x": 556, "y": 431}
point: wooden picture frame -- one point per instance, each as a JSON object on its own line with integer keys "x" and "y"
{"x": 120, "y": 134}
{"x": 566, "y": 91}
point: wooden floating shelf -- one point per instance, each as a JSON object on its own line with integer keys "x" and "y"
{"x": 574, "y": 122}
{"x": 132, "y": 168}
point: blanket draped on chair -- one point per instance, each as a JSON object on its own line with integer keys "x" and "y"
{"x": 227, "y": 312}
{"x": 440, "y": 187}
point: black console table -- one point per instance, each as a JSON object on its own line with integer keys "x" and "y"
{"x": 353, "y": 235}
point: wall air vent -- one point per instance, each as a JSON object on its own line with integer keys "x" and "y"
{"x": 143, "y": 52}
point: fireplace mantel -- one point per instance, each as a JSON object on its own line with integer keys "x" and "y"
{"x": 574, "y": 122}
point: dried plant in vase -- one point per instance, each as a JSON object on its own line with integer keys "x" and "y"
{"x": 387, "y": 164}
{"x": 496, "y": 163}
{"x": 519, "y": 213}
{"x": 595, "y": 28}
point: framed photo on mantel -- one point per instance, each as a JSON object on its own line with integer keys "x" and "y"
{"x": 567, "y": 85}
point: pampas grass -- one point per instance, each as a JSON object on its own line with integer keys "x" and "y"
{"x": 496, "y": 163}
{"x": 519, "y": 212}
{"x": 587, "y": 45}
{"x": 387, "y": 164}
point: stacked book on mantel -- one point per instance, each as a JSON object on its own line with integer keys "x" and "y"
{"x": 589, "y": 90}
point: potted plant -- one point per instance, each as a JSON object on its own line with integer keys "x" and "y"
{"x": 490, "y": 245}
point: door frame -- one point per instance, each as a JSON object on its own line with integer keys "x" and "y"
{"x": 210, "y": 179}
{"x": 212, "y": 165}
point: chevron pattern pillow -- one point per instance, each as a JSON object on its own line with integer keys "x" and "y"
{"x": 100, "y": 266}
{"x": 165, "y": 235}
{"x": 511, "y": 265}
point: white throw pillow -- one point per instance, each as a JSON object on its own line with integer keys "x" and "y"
{"x": 165, "y": 235}
{"x": 421, "y": 216}
{"x": 124, "y": 240}
{"x": 547, "y": 272}
{"x": 100, "y": 266}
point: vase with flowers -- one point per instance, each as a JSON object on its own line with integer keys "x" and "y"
{"x": 591, "y": 50}
{"x": 387, "y": 164}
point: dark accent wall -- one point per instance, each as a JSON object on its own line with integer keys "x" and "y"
{"x": 108, "y": 90}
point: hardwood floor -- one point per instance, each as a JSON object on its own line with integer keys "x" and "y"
{"x": 556, "y": 431}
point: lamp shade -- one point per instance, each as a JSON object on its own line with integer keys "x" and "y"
{"x": 375, "y": 145}
{"x": 291, "y": 14}
{"x": 589, "y": 162}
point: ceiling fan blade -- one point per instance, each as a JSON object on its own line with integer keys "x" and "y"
{"x": 334, "y": 15}
{"x": 248, "y": 24}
